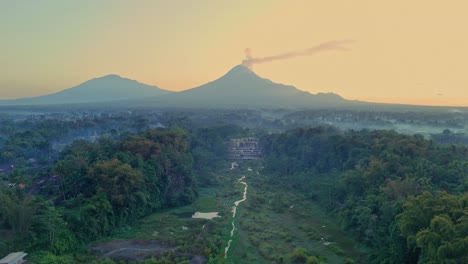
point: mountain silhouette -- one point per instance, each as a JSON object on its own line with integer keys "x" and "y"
{"x": 238, "y": 88}
{"x": 241, "y": 87}
{"x": 103, "y": 89}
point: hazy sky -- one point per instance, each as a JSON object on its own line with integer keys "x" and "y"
{"x": 403, "y": 51}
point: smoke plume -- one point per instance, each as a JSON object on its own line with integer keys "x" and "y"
{"x": 331, "y": 45}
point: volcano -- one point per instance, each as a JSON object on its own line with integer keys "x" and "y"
{"x": 241, "y": 88}
{"x": 238, "y": 88}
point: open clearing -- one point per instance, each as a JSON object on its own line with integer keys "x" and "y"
{"x": 270, "y": 224}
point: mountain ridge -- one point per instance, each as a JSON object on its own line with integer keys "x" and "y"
{"x": 111, "y": 87}
{"x": 239, "y": 87}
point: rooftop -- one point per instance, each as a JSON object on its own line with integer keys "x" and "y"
{"x": 12, "y": 256}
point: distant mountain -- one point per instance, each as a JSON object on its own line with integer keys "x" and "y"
{"x": 104, "y": 89}
{"x": 240, "y": 88}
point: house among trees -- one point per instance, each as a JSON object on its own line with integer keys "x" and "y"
{"x": 244, "y": 149}
{"x": 14, "y": 258}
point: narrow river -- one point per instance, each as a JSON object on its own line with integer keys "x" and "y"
{"x": 234, "y": 210}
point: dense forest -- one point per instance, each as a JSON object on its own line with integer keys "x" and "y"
{"x": 94, "y": 188}
{"x": 403, "y": 196}
{"x": 69, "y": 181}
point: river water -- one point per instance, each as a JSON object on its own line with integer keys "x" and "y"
{"x": 234, "y": 210}
{"x": 208, "y": 216}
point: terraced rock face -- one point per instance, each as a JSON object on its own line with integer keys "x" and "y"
{"x": 244, "y": 149}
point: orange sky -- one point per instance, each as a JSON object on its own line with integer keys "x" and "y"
{"x": 403, "y": 51}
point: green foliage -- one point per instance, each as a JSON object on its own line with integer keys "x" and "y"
{"x": 367, "y": 178}
{"x": 403, "y": 196}
{"x": 121, "y": 184}
{"x": 17, "y": 209}
{"x": 436, "y": 225}
{"x": 299, "y": 255}
{"x": 50, "y": 231}
{"x": 312, "y": 260}
{"x": 103, "y": 186}
{"x": 54, "y": 259}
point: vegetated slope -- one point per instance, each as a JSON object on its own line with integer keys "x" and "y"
{"x": 104, "y": 89}
{"x": 102, "y": 186}
{"x": 241, "y": 87}
{"x": 403, "y": 196}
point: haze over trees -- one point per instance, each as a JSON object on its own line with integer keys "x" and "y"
{"x": 403, "y": 196}
{"x": 393, "y": 178}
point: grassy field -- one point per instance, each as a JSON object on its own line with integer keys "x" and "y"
{"x": 270, "y": 224}
{"x": 276, "y": 221}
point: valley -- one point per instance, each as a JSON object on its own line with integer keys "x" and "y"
{"x": 159, "y": 188}
{"x": 267, "y": 227}
{"x": 233, "y": 132}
